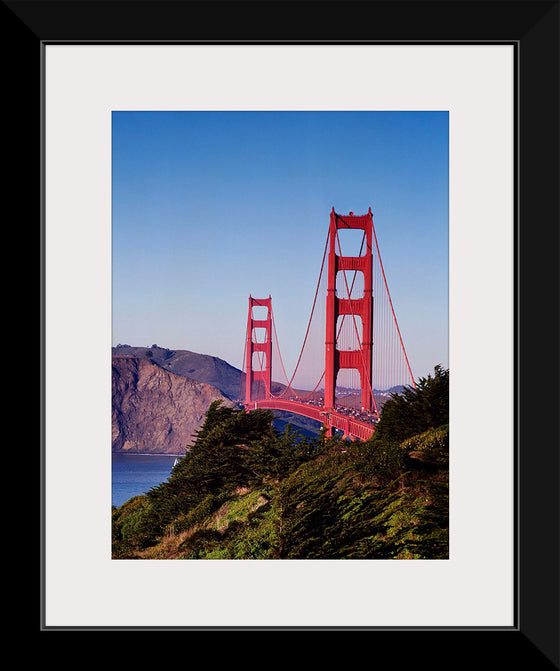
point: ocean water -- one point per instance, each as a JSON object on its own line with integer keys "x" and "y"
{"x": 134, "y": 474}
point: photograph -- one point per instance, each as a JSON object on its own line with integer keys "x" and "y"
{"x": 264, "y": 404}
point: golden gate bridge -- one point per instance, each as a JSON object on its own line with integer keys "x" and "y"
{"x": 344, "y": 384}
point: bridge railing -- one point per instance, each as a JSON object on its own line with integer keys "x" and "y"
{"x": 332, "y": 419}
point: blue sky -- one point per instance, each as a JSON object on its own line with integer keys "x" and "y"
{"x": 209, "y": 207}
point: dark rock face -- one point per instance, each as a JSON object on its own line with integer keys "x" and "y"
{"x": 199, "y": 367}
{"x": 154, "y": 410}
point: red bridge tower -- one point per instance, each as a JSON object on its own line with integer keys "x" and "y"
{"x": 265, "y": 347}
{"x": 361, "y": 358}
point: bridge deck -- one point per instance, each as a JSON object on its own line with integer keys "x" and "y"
{"x": 351, "y": 426}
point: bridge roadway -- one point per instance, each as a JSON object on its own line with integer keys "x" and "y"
{"x": 351, "y": 427}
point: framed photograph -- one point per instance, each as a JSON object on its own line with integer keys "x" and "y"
{"x": 491, "y": 70}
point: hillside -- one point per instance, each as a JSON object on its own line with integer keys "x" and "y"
{"x": 200, "y": 367}
{"x": 247, "y": 491}
{"x": 154, "y": 410}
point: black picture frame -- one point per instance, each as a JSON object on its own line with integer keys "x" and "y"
{"x": 533, "y": 28}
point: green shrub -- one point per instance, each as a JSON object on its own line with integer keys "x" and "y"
{"x": 136, "y": 523}
{"x": 416, "y": 409}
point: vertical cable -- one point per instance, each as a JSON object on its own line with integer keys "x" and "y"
{"x": 392, "y": 309}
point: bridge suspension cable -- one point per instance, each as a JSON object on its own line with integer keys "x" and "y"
{"x": 289, "y": 381}
{"x": 392, "y": 308}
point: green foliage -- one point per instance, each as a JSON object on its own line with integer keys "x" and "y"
{"x": 380, "y": 460}
{"x": 416, "y": 410}
{"x": 277, "y": 456}
{"x": 431, "y": 447}
{"x": 245, "y": 491}
{"x": 331, "y": 512}
{"x": 135, "y": 523}
{"x": 246, "y": 527}
{"x": 199, "y": 513}
{"x": 217, "y": 463}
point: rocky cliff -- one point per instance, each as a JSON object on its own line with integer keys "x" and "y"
{"x": 199, "y": 367}
{"x": 154, "y": 410}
